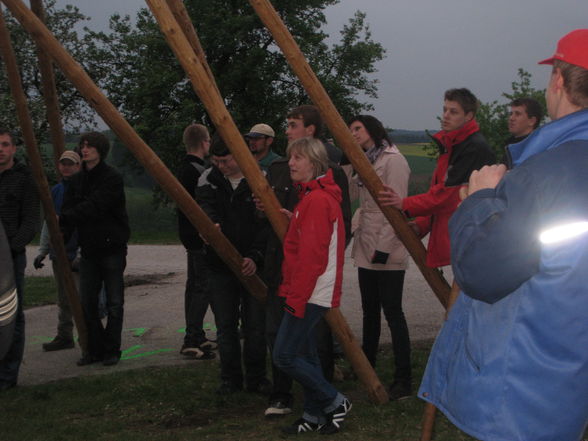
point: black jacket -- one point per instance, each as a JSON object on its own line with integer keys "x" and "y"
{"x": 189, "y": 173}
{"x": 94, "y": 203}
{"x": 235, "y": 211}
{"x": 19, "y": 206}
{"x": 280, "y": 181}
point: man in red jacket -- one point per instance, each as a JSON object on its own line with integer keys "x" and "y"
{"x": 462, "y": 149}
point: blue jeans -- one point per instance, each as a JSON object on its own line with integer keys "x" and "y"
{"x": 10, "y": 364}
{"x": 196, "y": 299}
{"x": 295, "y": 353}
{"x": 230, "y": 301}
{"x": 103, "y": 341}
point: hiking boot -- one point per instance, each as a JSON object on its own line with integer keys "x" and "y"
{"x": 300, "y": 426}
{"x": 335, "y": 418}
{"x": 57, "y": 344}
{"x": 400, "y": 390}
{"x": 277, "y": 408}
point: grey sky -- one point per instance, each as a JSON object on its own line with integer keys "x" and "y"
{"x": 433, "y": 45}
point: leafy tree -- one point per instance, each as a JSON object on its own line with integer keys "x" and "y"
{"x": 149, "y": 86}
{"x": 493, "y": 116}
{"x": 75, "y": 112}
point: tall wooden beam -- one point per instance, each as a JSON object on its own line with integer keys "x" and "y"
{"x": 36, "y": 162}
{"x": 340, "y": 131}
{"x": 154, "y": 166}
{"x": 205, "y": 87}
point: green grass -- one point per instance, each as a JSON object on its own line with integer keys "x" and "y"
{"x": 39, "y": 291}
{"x": 179, "y": 403}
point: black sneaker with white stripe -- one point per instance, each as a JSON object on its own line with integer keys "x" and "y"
{"x": 335, "y": 418}
{"x": 300, "y": 426}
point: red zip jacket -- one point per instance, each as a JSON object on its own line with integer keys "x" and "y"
{"x": 314, "y": 248}
{"x": 461, "y": 152}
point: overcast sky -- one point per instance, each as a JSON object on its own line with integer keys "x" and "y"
{"x": 433, "y": 45}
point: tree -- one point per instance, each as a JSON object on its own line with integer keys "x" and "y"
{"x": 493, "y": 116}
{"x": 76, "y": 113}
{"x": 149, "y": 86}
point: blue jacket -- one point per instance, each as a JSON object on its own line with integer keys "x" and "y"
{"x": 511, "y": 362}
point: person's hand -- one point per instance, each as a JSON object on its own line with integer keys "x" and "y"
{"x": 389, "y": 197}
{"x": 38, "y": 262}
{"x": 248, "y": 267}
{"x": 287, "y": 213}
{"x": 258, "y": 204}
{"x": 487, "y": 177}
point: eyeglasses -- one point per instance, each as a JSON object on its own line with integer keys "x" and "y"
{"x": 223, "y": 162}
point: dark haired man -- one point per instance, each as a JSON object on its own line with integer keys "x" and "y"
{"x": 462, "y": 149}
{"x": 525, "y": 116}
{"x": 510, "y": 363}
{"x": 94, "y": 205}
{"x": 225, "y": 196}
{"x": 19, "y": 213}
{"x": 196, "y": 298}
{"x": 260, "y": 139}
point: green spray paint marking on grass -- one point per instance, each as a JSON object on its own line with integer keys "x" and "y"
{"x": 125, "y": 354}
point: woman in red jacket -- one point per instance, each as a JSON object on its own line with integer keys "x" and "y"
{"x": 312, "y": 273}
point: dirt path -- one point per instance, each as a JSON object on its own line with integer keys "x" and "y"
{"x": 154, "y": 315}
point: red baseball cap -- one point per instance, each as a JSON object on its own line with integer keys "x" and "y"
{"x": 572, "y": 48}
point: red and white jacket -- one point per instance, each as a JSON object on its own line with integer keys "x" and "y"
{"x": 314, "y": 248}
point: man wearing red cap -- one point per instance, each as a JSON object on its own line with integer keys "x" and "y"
{"x": 511, "y": 361}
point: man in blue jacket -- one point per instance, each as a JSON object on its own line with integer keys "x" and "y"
{"x": 511, "y": 362}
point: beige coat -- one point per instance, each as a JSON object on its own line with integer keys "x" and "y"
{"x": 373, "y": 231}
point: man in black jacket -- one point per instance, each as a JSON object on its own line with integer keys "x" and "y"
{"x": 94, "y": 204}
{"x": 196, "y": 297}
{"x": 225, "y": 196}
{"x": 19, "y": 213}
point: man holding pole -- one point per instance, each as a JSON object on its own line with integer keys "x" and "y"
{"x": 511, "y": 362}
{"x": 94, "y": 205}
{"x": 19, "y": 213}
{"x": 69, "y": 165}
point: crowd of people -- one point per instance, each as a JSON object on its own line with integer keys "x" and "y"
{"x": 510, "y": 361}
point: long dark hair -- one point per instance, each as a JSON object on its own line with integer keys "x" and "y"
{"x": 374, "y": 127}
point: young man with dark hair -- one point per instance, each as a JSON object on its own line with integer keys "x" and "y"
{"x": 69, "y": 164}
{"x": 510, "y": 363}
{"x": 462, "y": 149}
{"x": 525, "y": 116}
{"x": 225, "y": 196}
{"x": 19, "y": 213}
{"x": 260, "y": 140}
{"x": 196, "y": 297}
{"x": 94, "y": 205}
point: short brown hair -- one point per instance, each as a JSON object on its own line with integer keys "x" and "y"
{"x": 314, "y": 150}
{"x": 466, "y": 99}
{"x": 532, "y": 108}
{"x": 575, "y": 82}
{"x": 194, "y": 136}
{"x": 310, "y": 116}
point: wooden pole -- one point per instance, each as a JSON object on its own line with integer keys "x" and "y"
{"x": 26, "y": 125}
{"x": 74, "y": 72}
{"x": 207, "y": 92}
{"x": 204, "y": 86}
{"x": 340, "y": 131}
{"x": 50, "y": 93}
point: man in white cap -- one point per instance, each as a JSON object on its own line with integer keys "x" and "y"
{"x": 511, "y": 361}
{"x": 260, "y": 139}
{"x": 69, "y": 165}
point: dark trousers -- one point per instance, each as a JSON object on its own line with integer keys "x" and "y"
{"x": 231, "y": 302}
{"x": 196, "y": 299}
{"x": 383, "y": 290}
{"x": 95, "y": 271}
{"x": 10, "y": 364}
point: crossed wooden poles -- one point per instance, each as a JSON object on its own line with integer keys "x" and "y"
{"x": 181, "y": 36}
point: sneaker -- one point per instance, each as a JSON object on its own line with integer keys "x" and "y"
{"x": 263, "y": 387}
{"x": 208, "y": 345}
{"x": 196, "y": 353}
{"x": 228, "y": 388}
{"x": 335, "y": 418}
{"x": 57, "y": 344}
{"x": 300, "y": 426}
{"x": 400, "y": 390}
{"x": 277, "y": 408}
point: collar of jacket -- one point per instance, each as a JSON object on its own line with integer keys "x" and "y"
{"x": 447, "y": 140}
{"x": 324, "y": 182}
{"x": 571, "y": 127}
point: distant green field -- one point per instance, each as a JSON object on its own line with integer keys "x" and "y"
{"x": 413, "y": 149}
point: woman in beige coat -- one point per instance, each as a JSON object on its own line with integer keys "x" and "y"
{"x": 378, "y": 253}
